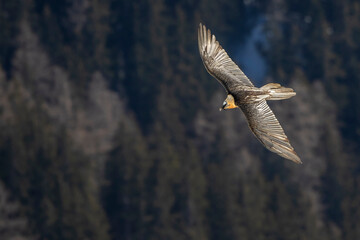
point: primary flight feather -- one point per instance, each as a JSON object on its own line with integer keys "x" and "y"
{"x": 244, "y": 95}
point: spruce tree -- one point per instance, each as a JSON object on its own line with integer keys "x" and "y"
{"x": 52, "y": 180}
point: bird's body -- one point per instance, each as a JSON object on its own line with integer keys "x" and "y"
{"x": 244, "y": 95}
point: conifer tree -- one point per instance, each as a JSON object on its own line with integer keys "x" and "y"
{"x": 127, "y": 193}
{"x": 12, "y": 224}
{"x": 53, "y": 181}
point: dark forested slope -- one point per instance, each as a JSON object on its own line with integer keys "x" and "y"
{"x": 110, "y": 126}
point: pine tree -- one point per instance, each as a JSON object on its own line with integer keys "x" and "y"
{"x": 179, "y": 200}
{"x": 127, "y": 194}
{"x": 12, "y": 225}
{"x": 51, "y": 179}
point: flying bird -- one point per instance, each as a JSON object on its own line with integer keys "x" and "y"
{"x": 241, "y": 93}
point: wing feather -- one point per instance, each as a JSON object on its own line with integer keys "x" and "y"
{"x": 268, "y": 130}
{"x": 218, "y": 63}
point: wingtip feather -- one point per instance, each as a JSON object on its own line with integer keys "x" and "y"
{"x": 295, "y": 158}
{"x": 288, "y": 152}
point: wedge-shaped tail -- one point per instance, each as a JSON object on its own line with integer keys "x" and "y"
{"x": 278, "y": 92}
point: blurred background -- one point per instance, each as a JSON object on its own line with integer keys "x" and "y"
{"x": 110, "y": 129}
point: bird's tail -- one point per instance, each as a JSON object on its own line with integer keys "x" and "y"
{"x": 278, "y": 92}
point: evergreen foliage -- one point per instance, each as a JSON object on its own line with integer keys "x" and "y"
{"x": 110, "y": 126}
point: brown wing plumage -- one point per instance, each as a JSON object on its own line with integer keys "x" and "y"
{"x": 268, "y": 130}
{"x": 261, "y": 119}
{"x": 218, "y": 63}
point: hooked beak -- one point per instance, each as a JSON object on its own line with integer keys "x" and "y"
{"x": 223, "y": 106}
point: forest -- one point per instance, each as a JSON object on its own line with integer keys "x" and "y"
{"x": 110, "y": 126}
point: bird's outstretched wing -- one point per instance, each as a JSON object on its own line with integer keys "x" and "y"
{"x": 268, "y": 130}
{"x": 218, "y": 63}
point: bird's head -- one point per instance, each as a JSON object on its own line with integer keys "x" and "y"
{"x": 229, "y": 103}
